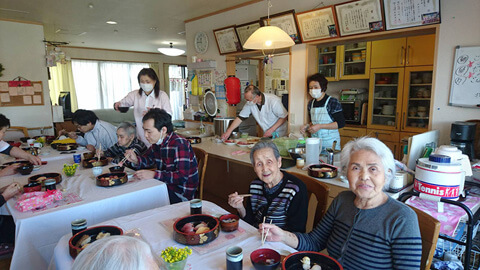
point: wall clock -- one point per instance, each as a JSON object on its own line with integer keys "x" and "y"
{"x": 201, "y": 42}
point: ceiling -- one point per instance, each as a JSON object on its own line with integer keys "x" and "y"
{"x": 143, "y": 25}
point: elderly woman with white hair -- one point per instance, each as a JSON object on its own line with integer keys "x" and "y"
{"x": 116, "y": 253}
{"x": 364, "y": 228}
{"x": 127, "y": 139}
{"x": 277, "y": 196}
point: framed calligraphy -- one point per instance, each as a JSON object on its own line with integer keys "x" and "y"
{"x": 227, "y": 40}
{"x": 403, "y": 14}
{"x": 286, "y": 22}
{"x": 244, "y": 31}
{"x": 317, "y": 24}
{"x": 359, "y": 17}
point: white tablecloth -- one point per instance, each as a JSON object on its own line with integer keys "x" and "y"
{"x": 149, "y": 224}
{"x": 37, "y": 233}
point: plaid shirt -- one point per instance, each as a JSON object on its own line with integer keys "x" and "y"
{"x": 117, "y": 152}
{"x": 176, "y": 166}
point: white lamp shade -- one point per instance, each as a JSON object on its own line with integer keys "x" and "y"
{"x": 267, "y": 38}
{"x": 171, "y": 51}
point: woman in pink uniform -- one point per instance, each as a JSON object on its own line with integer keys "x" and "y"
{"x": 148, "y": 96}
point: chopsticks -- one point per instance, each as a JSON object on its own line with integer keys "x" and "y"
{"x": 264, "y": 235}
{"x": 125, "y": 157}
{"x": 98, "y": 153}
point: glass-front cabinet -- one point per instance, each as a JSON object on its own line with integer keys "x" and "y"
{"x": 385, "y": 98}
{"x": 327, "y": 62}
{"x": 417, "y": 98}
{"x": 344, "y": 62}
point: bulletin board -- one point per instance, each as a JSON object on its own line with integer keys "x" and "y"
{"x": 465, "y": 88}
{"x": 22, "y": 95}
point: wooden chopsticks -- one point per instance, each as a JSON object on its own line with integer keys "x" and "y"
{"x": 264, "y": 235}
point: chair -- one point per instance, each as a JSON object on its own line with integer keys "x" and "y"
{"x": 429, "y": 230}
{"x": 202, "y": 158}
{"x": 317, "y": 199}
{"x": 14, "y": 133}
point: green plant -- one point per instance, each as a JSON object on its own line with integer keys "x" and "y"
{"x": 173, "y": 254}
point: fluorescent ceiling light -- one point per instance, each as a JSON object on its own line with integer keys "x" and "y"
{"x": 171, "y": 51}
{"x": 111, "y": 22}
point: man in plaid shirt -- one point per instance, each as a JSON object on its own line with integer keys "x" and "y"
{"x": 171, "y": 154}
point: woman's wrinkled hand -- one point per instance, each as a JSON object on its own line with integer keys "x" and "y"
{"x": 12, "y": 190}
{"x": 275, "y": 234}
{"x": 10, "y": 169}
{"x": 235, "y": 201}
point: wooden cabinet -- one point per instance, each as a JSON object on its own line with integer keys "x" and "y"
{"x": 417, "y": 99}
{"x": 400, "y": 52}
{"x": 390, "y": 138}
{"x": 344, "y": 62}
{"x": 349, "y": 133}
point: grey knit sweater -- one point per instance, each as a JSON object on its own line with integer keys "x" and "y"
{"x": 385, "y": 237}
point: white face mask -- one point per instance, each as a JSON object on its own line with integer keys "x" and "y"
{"x": 160, "y": 140}
{"x": 316, "y": 93}
{"x": 146, "y": 87}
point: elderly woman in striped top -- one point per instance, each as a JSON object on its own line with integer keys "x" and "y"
{"x": 364, "y": 228}
{"x": 277, "y": 197}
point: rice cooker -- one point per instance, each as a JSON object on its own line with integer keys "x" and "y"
{"x": 439, "y": 176}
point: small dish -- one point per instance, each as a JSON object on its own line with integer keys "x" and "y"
{"x": 81, "y": 148}
{"x": 25, "y": 168}
{"x": 229, "y": 142}
{"x": 265, "y": 259}
{"x": 243, "y": 144}
{"x": 229, "y": 222}
{"x": 36, "y": 167}
{"x": 117, "y": 169}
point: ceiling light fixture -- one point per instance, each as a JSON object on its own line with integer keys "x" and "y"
{"x": 111, "y": 22}
{"x": 171, "y": 51}
{"x": 268, "y": 37}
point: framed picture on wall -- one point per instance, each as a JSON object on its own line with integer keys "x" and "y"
{"x": 227, "y": 40}
{"x": 359, "y": 17}
{"x": 403, "y": 14}
{"x": 285, "y": 21}
{"x": 317, "y": 24}
{"x": 244, "y": 31}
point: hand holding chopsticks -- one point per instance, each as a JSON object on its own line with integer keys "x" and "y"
{"x": 264, "y": 235}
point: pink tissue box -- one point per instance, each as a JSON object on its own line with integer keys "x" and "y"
{"x": 33, "y": 200}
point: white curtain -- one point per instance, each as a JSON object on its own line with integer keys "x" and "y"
{"x": 177, "y": 84}
{"x": 101, "y": 83}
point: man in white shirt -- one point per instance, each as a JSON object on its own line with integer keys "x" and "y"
{"x": 267, "y": 109}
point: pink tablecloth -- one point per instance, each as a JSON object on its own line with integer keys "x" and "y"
{"x": 451, "y": 215}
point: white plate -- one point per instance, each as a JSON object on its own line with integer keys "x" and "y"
{"x": 229, "y": 143}
{"x": 80, "y": 148}
{"x": 36, "y": 167}
{"x": 244, "y": 145}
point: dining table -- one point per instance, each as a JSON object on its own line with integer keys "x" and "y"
{"x": 38, "y": 230}
{"x": 155, "y": 227}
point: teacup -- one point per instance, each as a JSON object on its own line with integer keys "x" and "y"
{"x": 97, "y": 170}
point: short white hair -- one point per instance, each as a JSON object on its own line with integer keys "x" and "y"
{"x": 116, "y": 253}
{"x": 377, "y": 147}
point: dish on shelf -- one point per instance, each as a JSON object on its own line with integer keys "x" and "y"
{"x": 382, "y": 82}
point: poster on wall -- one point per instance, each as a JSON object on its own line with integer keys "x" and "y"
{"x": 403, "y": 14}
{"x": 317, "y": 24}
{"x": 359, "y": 17}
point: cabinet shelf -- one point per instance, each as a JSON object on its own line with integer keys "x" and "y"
{"x": 418, "y": 117}
{"x": 424, "y": 99}
{"x": 355, "y": 49}
{"x": 420, "y": 84}
{"x": 384, "y": 115}
{"x": 386, "y": 85}
{"x": 320, "y": 53}
{"x": 385, "y": 98}
{"x": 332, "y": 64}
{"x": 354, "y": 62}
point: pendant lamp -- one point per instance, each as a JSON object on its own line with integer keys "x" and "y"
{"x": 171, "y": 51}
{"x": 268, "y": 37}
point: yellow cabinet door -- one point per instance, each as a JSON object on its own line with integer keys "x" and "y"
{"x": 354, "y": 61}
{"x": 420, "y": 50}
{"x": 385, "y": 98}
{"x": 388, "y": 53}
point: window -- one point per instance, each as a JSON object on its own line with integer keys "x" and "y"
{"x": 177, "y": 79}
{"x": 99, "y": 84}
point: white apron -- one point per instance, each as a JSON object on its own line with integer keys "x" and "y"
{"x": 320, "y": 115}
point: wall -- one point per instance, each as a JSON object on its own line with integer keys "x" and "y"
{"x": 116, "y": 55}
{"x": 459, "y": 26}
{"x": 22, "y": 54}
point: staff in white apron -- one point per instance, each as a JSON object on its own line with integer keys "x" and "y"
{"x": 325, "y": 112}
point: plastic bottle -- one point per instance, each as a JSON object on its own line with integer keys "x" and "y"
{"x": 312, "y": 151}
